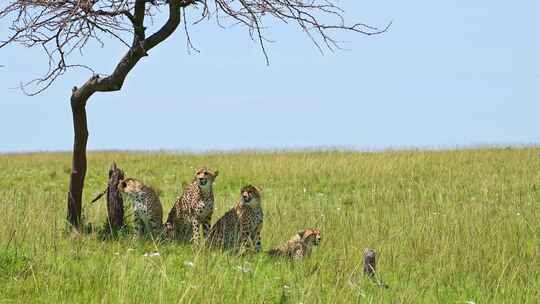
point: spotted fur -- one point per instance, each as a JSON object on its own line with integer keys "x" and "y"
{"x": 240, "y": 227}
{"x": 193, "y": 209}
{"x": 299, "y": 246}
{"x": 147, "y": 209}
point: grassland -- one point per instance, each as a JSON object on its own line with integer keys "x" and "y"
{"x": 450, "y": 227}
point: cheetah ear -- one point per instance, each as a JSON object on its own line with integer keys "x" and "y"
{"x": 216, "y": 173}
{"x": 259, "y": 189}
{"x": 301, "y": 233}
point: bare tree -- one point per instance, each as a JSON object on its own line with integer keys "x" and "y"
{"x": 60, "y": 27}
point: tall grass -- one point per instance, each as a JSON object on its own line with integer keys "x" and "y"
{"x": 449, "y": 227}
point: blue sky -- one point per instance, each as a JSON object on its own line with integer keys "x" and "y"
{"x": 447, "y": 74}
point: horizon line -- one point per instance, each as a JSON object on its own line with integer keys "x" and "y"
{"x": 309, "y": 149}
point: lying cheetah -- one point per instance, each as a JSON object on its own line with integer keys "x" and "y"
{"x": 148, "y": 212}
{"x": 299, "y": 246}
{"x": 240, "y": 226}
{"x": 193, "y": 209}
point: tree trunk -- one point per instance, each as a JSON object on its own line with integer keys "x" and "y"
{"x": 78, "y": 166}
{"x": 113, "y": 82}
{"x": 370, "y": 267}
{"x": 115, "y": 203}
{"x": 370, "y": 262}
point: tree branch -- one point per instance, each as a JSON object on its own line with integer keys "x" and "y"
{"x": 138, "y": 24}
{"x": 170, "y": 26}
{"x": 61, "y": 26}
{"x": 139, "y": 49}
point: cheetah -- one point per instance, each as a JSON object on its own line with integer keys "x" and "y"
{"x": 148, "y": 212}
{"x": 193, "y": 209}
{"x": 240, "y": 227}
{"x": 299, "y": 246}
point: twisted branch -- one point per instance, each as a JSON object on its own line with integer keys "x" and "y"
{"x": 60, "y": 27}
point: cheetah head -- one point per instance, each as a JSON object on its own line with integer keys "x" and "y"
{"x": 310, "y": 236}
{"x": 250, "y": 195}
{"x": 205, "y": 178}
{"x": 130, "y": 186}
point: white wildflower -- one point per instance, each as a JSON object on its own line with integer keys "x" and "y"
{"x": 243, "y": 269}
{"x": 189, "y": 264}
{"x": 151, "y": 254}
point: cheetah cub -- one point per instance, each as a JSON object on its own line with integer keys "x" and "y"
{"x": 240, "y": 227}
{"x": 193, "y": 209}
{"x": 299, "y": 246}
{"x": 148, "y": 212}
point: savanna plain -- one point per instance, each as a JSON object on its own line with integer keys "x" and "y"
{"x": 459, "y": 226}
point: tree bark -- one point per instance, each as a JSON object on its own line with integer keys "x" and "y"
{"x": 370, "y": 267}
{"x": 115, "y": 203}
{"x": 113, "y": 82}
{"x": 78, "y": 165}
{"x": 370, "y": 262}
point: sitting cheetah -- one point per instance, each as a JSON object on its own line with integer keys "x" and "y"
{"x": 241, "y": 226}
{"x": 193, "y": 209}
{"x": 148, "y": 212}
{"x": 299, "y": 246}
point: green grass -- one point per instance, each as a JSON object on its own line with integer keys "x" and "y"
{"x": 449, "y": 227}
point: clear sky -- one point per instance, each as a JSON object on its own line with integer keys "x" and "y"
{"x": 447, "y": 74}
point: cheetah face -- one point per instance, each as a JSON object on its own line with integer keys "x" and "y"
{"x": 250, "y": 195}
{"x": 311, "y": 236}
{"x": 205, "y": 178}
{"x": 317, "y": 238}
{"x": 130, "y": 186}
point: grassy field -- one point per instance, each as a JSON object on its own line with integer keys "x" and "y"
{"x": 450, "y": 227}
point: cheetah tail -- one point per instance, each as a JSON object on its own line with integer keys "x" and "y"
{"x": 100, "y": 195}
{"x": 274, "y": 252}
